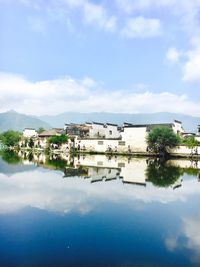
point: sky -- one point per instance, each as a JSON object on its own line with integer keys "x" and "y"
{"x": 128, "y": 56}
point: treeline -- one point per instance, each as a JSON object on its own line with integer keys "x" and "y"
{"x": 10, "y": 138}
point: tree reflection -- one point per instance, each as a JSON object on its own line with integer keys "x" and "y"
{"x": 10, "y": 157}
{"x": 161, "y": 174}
{"x": 56, "y": 163}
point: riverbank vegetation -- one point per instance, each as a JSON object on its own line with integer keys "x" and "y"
{"x": 161, "y": 139}
{"x": 10, "y": 138}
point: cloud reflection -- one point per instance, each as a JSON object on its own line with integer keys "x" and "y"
{"x": 48, "y": 190}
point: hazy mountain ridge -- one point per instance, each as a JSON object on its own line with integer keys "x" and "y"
{"x": 189, "y": 122}
{"x": 12, "y": 120}
{"x": 16, "y": 121}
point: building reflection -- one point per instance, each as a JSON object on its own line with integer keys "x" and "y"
{"x": 101, "y": 168}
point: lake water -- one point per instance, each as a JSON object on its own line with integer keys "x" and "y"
{"x": 98, "y": 211}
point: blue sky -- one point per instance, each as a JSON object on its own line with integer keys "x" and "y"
{"x": 118, "y": 56}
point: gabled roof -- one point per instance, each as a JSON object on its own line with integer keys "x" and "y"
{"x": 111, "y": 124}
{"x": 98, "y": 123}
{"x": 178, "y": 121}
{"x": 51, "y": 132}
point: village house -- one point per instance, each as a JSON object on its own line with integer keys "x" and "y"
{"x": 108, "y": 137}
{"x": 81, "y": 130}
{"x": 45, "y": 135}
{"x": 134, "y": 135}
{"x": 29, "y": 133}
{"x": 197, "y": 136}
{"x": 103, "y": 130}
{"x": 131, "y": 138}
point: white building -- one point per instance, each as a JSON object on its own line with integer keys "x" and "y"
{"x": 131, "y": 139}
{"x": 103, "y": 130}
{"x": 30, "y": 132}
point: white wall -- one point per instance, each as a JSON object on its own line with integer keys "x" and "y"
{"x": 197, "y": 137}
{"x": 114, "y": 131}
{"x": 178, "y": 128}
{"x": 97, "y": 130}
{"x": 28, "y": 133}
{"x": 135, "y": 137}
{"x": 98, "y": 145}
{"x": 183, "y": 150}
{"x": 103, "y": 130}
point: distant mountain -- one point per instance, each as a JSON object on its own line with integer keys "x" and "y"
{"x": 189, "y": 123}
{"x": 16, "y": 121}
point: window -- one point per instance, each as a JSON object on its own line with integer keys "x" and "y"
{"x": 100, "y": 142}
{"x": 121, "y": 164}
{"x": 110, "y": 132}
{"x": 121, "y": 143}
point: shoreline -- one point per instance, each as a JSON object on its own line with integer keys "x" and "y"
{"x": 125, "y": 154}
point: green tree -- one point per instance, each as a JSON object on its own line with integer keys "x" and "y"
{"x": 40, "y": 130}
{"x": 10, "y": 138}
{"x": 190, "y": 142}
{"x": 160, "y": 139}
{"x": 58, "y": 139}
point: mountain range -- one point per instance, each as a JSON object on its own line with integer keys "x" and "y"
{"x": 189, "y": 122}
{"x": 11, "y": 120}
{"x": 16, "y": 121}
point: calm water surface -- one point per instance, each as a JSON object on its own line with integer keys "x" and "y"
{"x": 98, "y": 211}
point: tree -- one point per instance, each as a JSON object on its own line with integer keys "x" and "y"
{"x": 160, "y": 139}
{"x": 58, "y": 139}
{"x": 10, "y": 138}
{"x": 190, "y": 142}
{"x": 40, "y": 130}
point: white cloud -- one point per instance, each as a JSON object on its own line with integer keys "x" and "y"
{"x": 173, "y": 55}
{"x": 64, "y": 94}
{"x": 97, "y": 14}
{"x": 186, "y": 11}
{"x": 92, "y": 13}
{"x": 133, "y": 5}
{"x": 191, "y": 69}
{"x": 140, "y": 27}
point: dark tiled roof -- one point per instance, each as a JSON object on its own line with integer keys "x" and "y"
{"x": 51, "y": 132}
{"x": 112, "y": 124}
{"x": 178, "y": 121}
{"x": 98, "y": 123}
{"x": 149, "y": 125}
